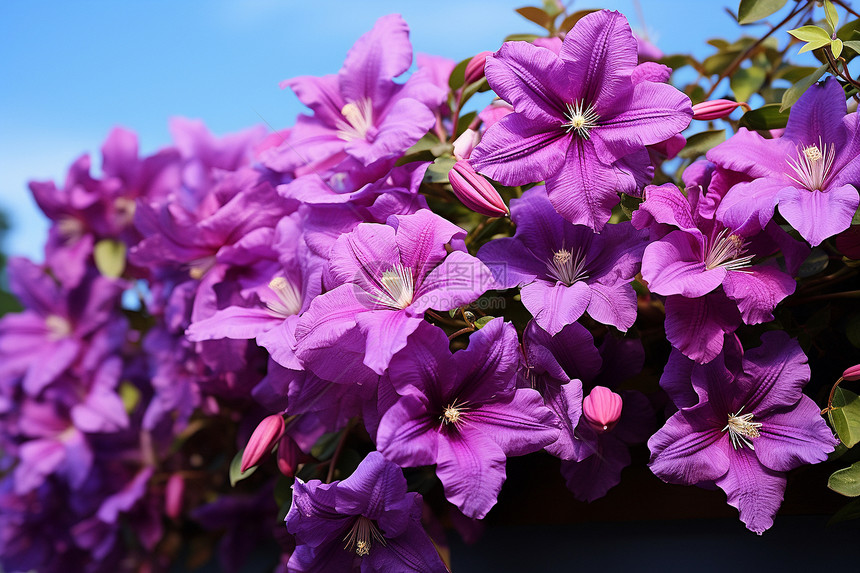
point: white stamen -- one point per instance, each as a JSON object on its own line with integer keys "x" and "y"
{"x": 812, "y": 165}
{"x": 289, "y": 298}
{"x": 359, "y": 120}
{"x": 361, "y": 536}
{"x": 725, "y": 251}
{"x": 581, "y": 119}
{"x": 566, "y": 267}
{"x": 741, "y": 430}
{"x": 58, "y": 327}
{"x": 453, "y": 413}
{"x": 397, "y": 288}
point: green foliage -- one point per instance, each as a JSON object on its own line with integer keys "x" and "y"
{"x": 846, "y": 481}
{"x": 753, "y": 10}
{"x": 814, "y": 37}
{"x": 236, "y": 473}
{"x": 795, "y": 91}
{"x": 700, "y": 143}
{"x": 766, "y": 117}
{"x": 845, "y": 416}
{"x": 747, "y": 81}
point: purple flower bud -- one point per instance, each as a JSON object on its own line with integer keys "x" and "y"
{"x": 173, "y": 493}
{"x": 475, "y": 191}
{"x": 289, "y": 456}
{"x": 475, "y": 68}
{"x": 264, "y": 437}
{"x": 852, "y": 374}
{"x": 716, "y": 109}
{"x": 602, "y": 408}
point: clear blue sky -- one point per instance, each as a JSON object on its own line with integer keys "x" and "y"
{"x": 70, "y": 71}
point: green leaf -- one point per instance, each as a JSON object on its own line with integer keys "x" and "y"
{"x": 831, "y": 16}
{"x": 236, "y": 474}
{"x": 852, "y": 330}
{"x": 850, "y": 511}
{"x": 699, "y": 143}
{"x": 110, "y": 257}
{"x": 521, "y": 38}
{"x": 458, "y": 75}
{"x": 811, "y": 34}
{"x": 130, "y": 396}
{"x": 718, "y": 62}
{"x": 439, "y": 169}
{"x": 753, "y": 10}
{"x": 814, "y": 263}
{"x": 846, "y": 481}
{"x": 845, "y": 416}
{"x": 482, "y": 322}
{"x": 766, "y": 117}
{"x": 747, "y": 81}
{"x": 795, "y": 91}
{"x": 325, "y": 446}
{"x": 853, "y": 44}
{"x": 536, "y": 15}
{"x": 793, "y": 74}
{"x": 836, "y": 47}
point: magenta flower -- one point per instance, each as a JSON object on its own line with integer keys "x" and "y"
{"x": 367, "y": 522}
{"x": 381, "y": 280}
{"x": 582, "y": 118}
{"x": 463, "y": 412}
{"x": 361, "y": 115}
{"x": 566, "y": 270}
{"x": 812, "y": 172}
{"x": 707, "y": 269}
{"x": 743, "y": 422}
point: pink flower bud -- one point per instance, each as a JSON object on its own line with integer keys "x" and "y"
{"x": 852, "y": 373}
{"x": 602, "y": 408}
{"x": 475, "y": 68}
{"x": 264, "y": 437}
{"x": 464, "y": 144}
{"x": 173, "y": 493}
{"x": 475, "y": 192}
{"x": 289, "y": 456}
{"x": 716, "y": 109}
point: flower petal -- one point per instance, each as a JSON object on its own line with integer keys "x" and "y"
{"x": 753, "y": 489}
{"x": 696, "y": 326}
{"x": 673, "y": 266}
{"x": 613, "y": 305}
{"x": 554, "y": 306}
{"x": 758, "y": 291}
{"x": 519, "y": 426}
{"x": 689, "y": 449}
{"x": 471, "y": 467}
{"x": 792, "y": 437}
{"x": 818, "y": 215}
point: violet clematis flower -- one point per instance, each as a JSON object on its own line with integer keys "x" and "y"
{"x": 463, "y": 412}
{"x": 582, "y": 120}
{"x": 812, "y": 172}
{"x": 367, "y": 522}
{"x": 381, "y": 280}
{"x": 742, "y": 424}
{"x": 566, "y": 270}
{"x": 706, "y": 269}
{"x": 361, "y": 115}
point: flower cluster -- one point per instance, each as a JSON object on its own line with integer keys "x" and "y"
{"x": 385, "y": 297}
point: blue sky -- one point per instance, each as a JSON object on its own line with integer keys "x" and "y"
{"x": 70, "y": 71}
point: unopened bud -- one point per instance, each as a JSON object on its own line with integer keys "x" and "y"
{"x": 475, "y": 68}
{"x": 852, "y": 373}
{"x": 264, "y": 437}
{"x": 464, "y": 144}
{"x": 475, "y": 192}
{"x": 173, "y": 493}
{"x": 289, "y": 456}
{"x": 716, "y": 109}
{"x": 602, "y": 408}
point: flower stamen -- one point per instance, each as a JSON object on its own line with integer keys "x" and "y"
{"x": 289, "y": 298}
{"x": 581, "y": 119}
{"x": 361, "y": 536}
{"x": 566, "y": 267}
{"x": 812, "y": 165}
{"x": 742, "y": 430}
{"x": 726, "y": 250}
{"x": 397, "y": 288}
{"x": 359, "y": 120}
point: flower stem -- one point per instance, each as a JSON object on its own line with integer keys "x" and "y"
{"x": 338, "y": 450}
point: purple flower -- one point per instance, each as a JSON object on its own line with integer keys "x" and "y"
{"x": 367, "y": 522}
{"x": 381, "y": 279}
{"x": 743, "y": 422}
{"x": 463, "y": 412}
{"x": 706, "y": 268}
{"x": 566, "y": 270}
{"x": 361, "y": 116}
{"x": 811, "y": 172}
{"x": 582, "y": 118}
